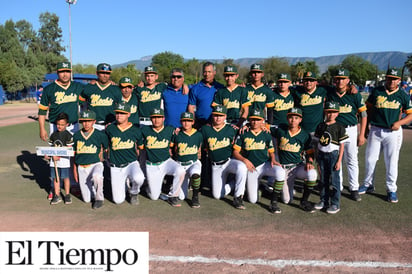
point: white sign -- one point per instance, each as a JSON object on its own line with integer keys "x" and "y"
{"x": 54, "y": 151}
{"x": 74, "y": 252}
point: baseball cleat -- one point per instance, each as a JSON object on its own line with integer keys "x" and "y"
{"x": 195, "y": 202}
{"x": 319, "y": 206}
{"x": 97, "y": 204}
{"x": 134, "y": 200}
{"x": 174, "y": 201}
{"x": 366, "y": 189}
{"x": 50, "y": 196}
{"x": 333, "y": 209}
{"x": 67, "y": 199}
{"x": 392, "y": 197}
{"x": 56, "y": 199}
{"x": 307, "y": 206}
{"x": 238, "y": 203}
{"x": 273, "y": 208}
{"x": 354, "y": 195}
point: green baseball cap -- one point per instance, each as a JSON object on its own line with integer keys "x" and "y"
{"x": 332, "y": 106}
{"x": 342, "y": 73}
{"x": 393, "y": 73}
{"x": 87, "y": 115}
{"x": 219, "y": 110}
{"x": 309, "y": 75}
{"x": 125, "y": 81}
{"x": 295, "y": 111}
{"x": 187, "y": 116}
{"x": 230, "y": 70}
{"x": 256, "y": 67}
{"x": 284, "y": 77}
{"x": 256, "y": 114}
{"x": 64, "y": 66}
{"x": 150, "y": 69}
{"x": 103, "y": 67}
{"x": 157, "y": 112}
{"x": 122, "y": 107}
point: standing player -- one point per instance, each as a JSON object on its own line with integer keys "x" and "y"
{"x": 88, "y": 167}
{"x": 218, "y": 141}
{"x": 130, "y": 98}
{"x": 351, "y": 105}
{"x": 233, "y": 97}
{"x": 293, "y": 142}
{"x": 255, "y": 149}
{"x": 123, "y": 140}
{"x": 384, "y": 106}
{"x": 102, "y": 96}
{"x": 60, "y": 96}
{"x": 260, "y": 95}
{"x": 187, "y": 146}
{"x": 283, "y": 100}
{"x": 157, "y": 143}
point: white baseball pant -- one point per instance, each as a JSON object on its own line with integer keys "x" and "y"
{"x": 220, "y": 188}
{"x": 297, "y": 172}
{"x": 91, "y": 181}
{"x": 390, "y": 142}
{"x": 350, "y": 158}
{"x": 118, "y": 178}
{"x": 265, "y": 169}
{"x": 157, "y": 172}
{"x": 194, "y": 168}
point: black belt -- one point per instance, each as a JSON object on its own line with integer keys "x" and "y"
{"x": 187, "y": 163}
{"x": 289, "y": 166}
{"x": 144, "y": 119}
{"x": 120, "y": 166}
{"x": 220, "y": 162}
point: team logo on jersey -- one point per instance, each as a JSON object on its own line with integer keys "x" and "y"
{"x": 184, "y": 149}
{"x": 259, "y": 98}
{"x": 62, "y": 97}
{"x": 96, "y": 100}
{"x": 280, "y": 104}
{"x": 214, "y": 144}
{"x": 147, "y": 96}
{"x": 251, "y": 144}
{"x": 382, "y": 102}
{"x": 152, "y": 142}
{"x": 286, "y": 146}
{"x": 117, "y": 143}
{"x": 325, "y": 139}
{"x": 309, "y": 101}
{"x": 230, "y": 104}
{"x": 83, "y": 149}
{"x": 345, "y": 109}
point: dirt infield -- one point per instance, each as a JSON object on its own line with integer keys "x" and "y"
{"x": 210, "y": 240}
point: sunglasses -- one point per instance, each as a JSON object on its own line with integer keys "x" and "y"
{"x": 176, "y": 76}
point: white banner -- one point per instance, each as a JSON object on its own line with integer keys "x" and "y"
{"x": 74, "y": 252}
{"x": 54, "y": 151}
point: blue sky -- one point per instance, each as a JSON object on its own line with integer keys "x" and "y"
{"x": 123, "y": 30}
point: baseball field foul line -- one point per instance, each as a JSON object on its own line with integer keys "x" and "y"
{"x": 278, "y": 263}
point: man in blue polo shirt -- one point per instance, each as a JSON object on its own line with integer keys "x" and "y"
{"x": 201, "y": 95}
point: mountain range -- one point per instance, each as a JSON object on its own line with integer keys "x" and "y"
{"x": 381, "y": 59}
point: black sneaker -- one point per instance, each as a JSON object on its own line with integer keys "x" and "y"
{"x": 307, "y": 206}
{"x": 56, "y": 199}
{"x": 195, "y": 202}
{"x": 134, "y": 200}
{"x": 97, "y": 204}
{"x": 174, "y": 201}
{"x": 273, "y": 208}
{"x": 354, "y": 195}
{"x": 238, "y": 203}
{"x": 67, "y": 199}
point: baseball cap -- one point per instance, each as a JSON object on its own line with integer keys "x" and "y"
{"x": 219, "y": 110}
{"x": 256, "y": 114}
{"x": 295, "y": 111}
{"x": 87, "y": 115}
{"x": 187, "y": 116}
{"x": 342, "y": 73}
{"x": 103, "y": 67}
{"x": 122, "y": 107}
{"x": 125, "y": 81}
{"x": 393, "y": 73}
{"x": 332, "y": 106}
{"x": 64, "y": 66}
{"x": 309, "y": 75}
{"x": 157, "y": 112}
{"x": 284, "y": 77}
{"x": 150, "y": 69}
{"x": 230, "y": 70}
{"x": 256, "y": 67}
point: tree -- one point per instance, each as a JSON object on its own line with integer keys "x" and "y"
{"x": 193, "y": 71}
{"x": 408, "y": 64}
{"x": 273, "y": 66}
{"x": 360, "y": 70}
{"x": 297, "y": 71}
{"x": 165, "y": 62}
{"x": 129, "y": 71}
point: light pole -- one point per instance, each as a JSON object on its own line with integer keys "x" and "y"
{"x": 70, "y": 2}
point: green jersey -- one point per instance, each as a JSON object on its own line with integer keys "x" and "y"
{"x": 291, "y": 146}
{"x": 312, "y": 107}
{"x": 187, "y": 145}
{"x": 281, "y": 106}
{"x": 134, "y": 104}
{"x": 102, "y": 100}
{"x": 157, "y": 143}
{"x": 350, "y": 105}
{"x": 122, "y": 144}
{"x": 87, "y": 147}
{"x": 218, "y": 142}
{"x": 260, "y": 97}
{"x": 149, "y": 98}
{"x": 57, "y": 99}
{"x": 387, "y": 106}
{"x": 255, "y": 147}
{"x": 234, "y": 100}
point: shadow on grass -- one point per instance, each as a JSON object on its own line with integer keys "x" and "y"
{"x": 37, "y": 166}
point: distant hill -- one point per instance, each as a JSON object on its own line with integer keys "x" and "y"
{"x": 381, "y": 59}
